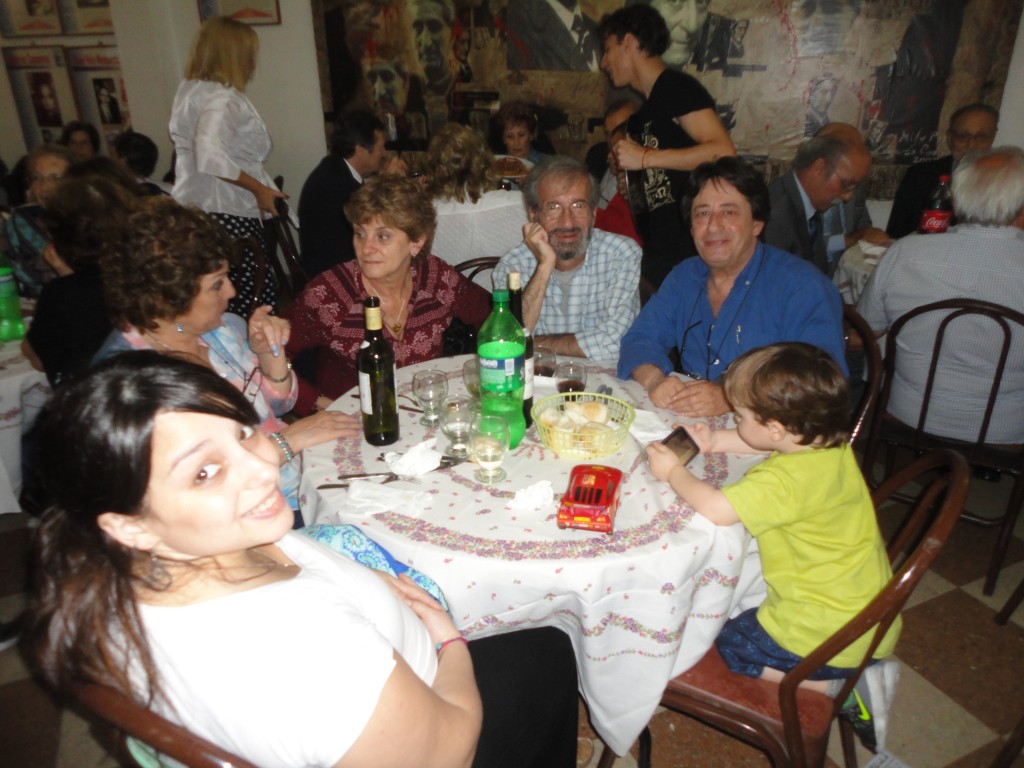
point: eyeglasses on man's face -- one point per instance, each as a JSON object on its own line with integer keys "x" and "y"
{"x": 553, "y": 211}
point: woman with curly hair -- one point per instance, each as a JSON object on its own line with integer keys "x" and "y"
{"x": 167, "y": 288}
{"x": 420, "y": 295}
{"x": 474, "y": 217}
{"x": 518, "y": 125}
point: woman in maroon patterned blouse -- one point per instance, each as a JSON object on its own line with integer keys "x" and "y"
{"x": 419, "y": 294}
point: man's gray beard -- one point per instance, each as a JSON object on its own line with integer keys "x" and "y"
{"x": 579, "y": 250}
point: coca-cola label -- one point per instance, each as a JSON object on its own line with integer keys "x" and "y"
{"x": 934, "y": 222}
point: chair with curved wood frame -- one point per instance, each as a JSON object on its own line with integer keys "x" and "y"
{"x": 473, "y": 267}
{"x": 791, "y": 723}
{"x": 284, "y": 255}
{"x": 167, "y": 738}
{"x": 977, "y": 450}
{"x": 873, "y": 360}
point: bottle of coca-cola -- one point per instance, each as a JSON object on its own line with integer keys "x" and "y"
{"x": 936, "y": 215}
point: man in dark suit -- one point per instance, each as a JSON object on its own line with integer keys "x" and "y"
{"x": 551, "y": 34}
{"x": 971, "y": 129}
{"x": 357, "y": 151}
{"x": 818, "y": 207}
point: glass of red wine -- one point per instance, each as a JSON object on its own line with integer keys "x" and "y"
{"x": 571, "y": 376}
{"x": 544, "y": 361}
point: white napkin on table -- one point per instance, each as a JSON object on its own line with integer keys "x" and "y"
{"x": 417, "y": 461}
{"x": 366, "y": 497}
{"x": 872, "y": 253}
{"x": 535, "y": 496}
{"x": 648, "y": 426}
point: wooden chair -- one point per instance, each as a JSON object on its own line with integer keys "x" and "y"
{"x": 1008, "y": 459}
{"x": 1011, "y": 605}
{"x": 473, "y": 267}
{"x": 155, "y": 732}
{"x": 791, "y": 723}
{"x": 284, "y": 256}
{"x": 867, "y": 341}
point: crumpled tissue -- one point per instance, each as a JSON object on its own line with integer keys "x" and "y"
{"x": 872, "y": 253}
{"x": 649, "y": 426}
{"x": 366, "y": 497}
{"x": 535, "y": 496}
{"x": 417, "y": 461}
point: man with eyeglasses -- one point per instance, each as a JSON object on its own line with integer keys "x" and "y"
{"x": 972, "y": 128}
{"x": 818, "y": 206}
{"x": 739, "y": 295}
{"x": 581, "y": 284}
{"x": 26, "y": 238}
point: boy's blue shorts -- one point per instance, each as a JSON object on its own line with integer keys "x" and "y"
{"x": 747, "y": 649}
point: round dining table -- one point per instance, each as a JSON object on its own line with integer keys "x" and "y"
{"x": 641, "y": 604}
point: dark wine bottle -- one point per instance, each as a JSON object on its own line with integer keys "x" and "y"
{"x": 376, "y": 364}
{"x": 515, "y": 305}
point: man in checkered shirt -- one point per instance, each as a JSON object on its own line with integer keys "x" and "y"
{"x": 581, "y": 283}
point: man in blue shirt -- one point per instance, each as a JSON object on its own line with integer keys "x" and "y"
{"x": 581, "y": 284}
{"x": 740, "y": 294}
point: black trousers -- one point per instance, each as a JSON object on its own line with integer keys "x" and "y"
{"x": 528, "y": 685}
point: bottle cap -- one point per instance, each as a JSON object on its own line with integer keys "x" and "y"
{"x": 500, "y": 295}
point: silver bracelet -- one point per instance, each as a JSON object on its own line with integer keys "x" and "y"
{"x": 283, "y": 379}
{"x": 286, "y": 449}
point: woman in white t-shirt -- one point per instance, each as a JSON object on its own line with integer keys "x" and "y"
{"x": 221, "y": 144}
{"x": 168, "y": 570}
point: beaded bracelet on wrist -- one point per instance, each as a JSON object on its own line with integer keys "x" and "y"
{"x": 286, "y": 449}
{"x": 283, "y": 379}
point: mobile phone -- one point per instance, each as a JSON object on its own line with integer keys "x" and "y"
{"x": 281, "y": 205}
{"x": 682, "y": 445}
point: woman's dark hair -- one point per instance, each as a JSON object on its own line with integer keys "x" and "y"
{"x": 152, "y": 273}
{"x": 747, "y": 180}
{"x": 85, "y": 217}
{"x": 83, "y": 623}
{"x": 796, "y": 384}
{"x": 642, "y": 22}
{"x": 355, "y": 129}
{"x": 106, "y": 168}
{"x": 138, "y": 152}
{"x": 517, "y": 113}
{"x": 399, "y": 203}
{"x": 80, "y": 125}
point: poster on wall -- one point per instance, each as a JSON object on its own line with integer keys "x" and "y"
{"x": 99, "y": 88}
{"x": 248, "y": 11}
{"x": 29, "y": 18}
{"x": 86, "y": 17}
{"x": 41, "y": 84}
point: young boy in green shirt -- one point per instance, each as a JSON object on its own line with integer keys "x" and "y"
{"x": 809, "y": 508}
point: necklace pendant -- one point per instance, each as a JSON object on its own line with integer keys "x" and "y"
{"x": 396, "y": 328}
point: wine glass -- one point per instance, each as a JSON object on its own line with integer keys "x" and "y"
{"x": 471, "y": 377}
{"x": 457, "y": 416}
{"x": 544, "y": 361}
{"x": 430, "y": 388}
{"x": 488, "y": 443}
{"x": 571, "y": 376}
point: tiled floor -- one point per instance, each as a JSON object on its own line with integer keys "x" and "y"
{"x": 961, "y": 690}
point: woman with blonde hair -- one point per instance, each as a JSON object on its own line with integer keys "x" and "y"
{"x": 474, "y": 217}
{"x": 221, "y": 144}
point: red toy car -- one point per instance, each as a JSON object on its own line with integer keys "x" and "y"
{"x": 592, "y": 498}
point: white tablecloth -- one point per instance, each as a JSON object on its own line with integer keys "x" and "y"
{"x": 23, "y": 391}
{"x": 853, "y": 270}
{"x": 641, "y": 605}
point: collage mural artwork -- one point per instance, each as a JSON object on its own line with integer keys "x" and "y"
{"x": 778, "y": 70}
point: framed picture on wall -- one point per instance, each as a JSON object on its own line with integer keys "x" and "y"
{"x": 99, "y": 89}
{"x": 86, "y": 17}
{"x": 29, "y": 18}
{"x": 43, "y": 96}
{"x": 249, "y": 11}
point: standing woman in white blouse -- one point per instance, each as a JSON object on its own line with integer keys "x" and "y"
{"x": 221, "y": 144}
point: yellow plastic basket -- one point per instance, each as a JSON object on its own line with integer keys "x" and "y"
{"x": 584, "y": 445}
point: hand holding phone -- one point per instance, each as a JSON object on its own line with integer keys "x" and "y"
{"x": 682, "y": 444}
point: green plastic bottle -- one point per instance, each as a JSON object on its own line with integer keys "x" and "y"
{"x": 501, "y": 347}
{"x": 12, "y": 327}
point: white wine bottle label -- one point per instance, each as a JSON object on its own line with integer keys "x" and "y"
{"x": 528, "y": 383}
{"x": 365, "y": 401}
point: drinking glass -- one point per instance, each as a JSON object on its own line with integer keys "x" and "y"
{"x": 457, "y": 416}
{"x": 544, "y": 361}
{"x": 488, "y": 443}
{"x": 471, "y": 377}
{"x": 571, "y": 376}
{"x": 430, "y": 388}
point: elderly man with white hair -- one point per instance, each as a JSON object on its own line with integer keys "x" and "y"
{"x": 980, "y": 258}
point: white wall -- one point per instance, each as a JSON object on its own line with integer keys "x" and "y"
{"x": 1011, "y": 114}
{"x": 153, "y": 37}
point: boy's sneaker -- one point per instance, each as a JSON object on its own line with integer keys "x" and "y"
{"x": 867, "y": 707}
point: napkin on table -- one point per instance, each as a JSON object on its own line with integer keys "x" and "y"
{"x": 366, "y": 497}
{"x": 648, "y": 426}
{"x": 535, "y": 496}
{"x": 417, "y": 461}
{"x": 872, "y": 253}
